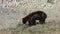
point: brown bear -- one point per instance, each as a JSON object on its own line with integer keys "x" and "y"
{"x": 32, "y": 17}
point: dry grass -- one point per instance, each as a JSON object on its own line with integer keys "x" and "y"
{"x": 48, "y": 28}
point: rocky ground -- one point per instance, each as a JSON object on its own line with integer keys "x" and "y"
{"x": 12, "y": 12}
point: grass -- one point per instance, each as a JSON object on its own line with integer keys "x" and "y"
{"x": 50, "y": 1}
{"x": 48, "y": 28}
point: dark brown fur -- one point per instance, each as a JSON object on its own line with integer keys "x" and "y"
{"x": 38, "y": 15}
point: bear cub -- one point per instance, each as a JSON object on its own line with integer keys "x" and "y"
{"x": 32, "y": 17}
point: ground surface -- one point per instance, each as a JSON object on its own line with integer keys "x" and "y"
{"x": 12, "y": 12}
{"x": 48, "y": 28}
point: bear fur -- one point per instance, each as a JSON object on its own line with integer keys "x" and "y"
{"x": 37, "y": 15}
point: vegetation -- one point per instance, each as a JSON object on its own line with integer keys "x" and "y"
{"x": 48, "y": 28}
{"x": 50, "y": 1}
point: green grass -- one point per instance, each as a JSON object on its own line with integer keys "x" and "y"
{"x": 50, "y": 1}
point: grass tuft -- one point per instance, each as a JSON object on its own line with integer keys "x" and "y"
{"x": 50, "y": 1}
